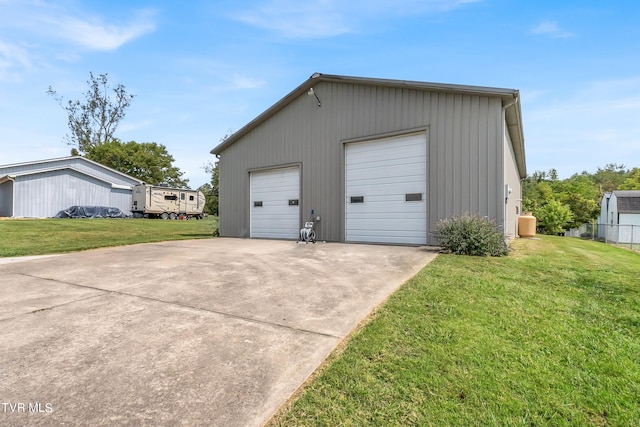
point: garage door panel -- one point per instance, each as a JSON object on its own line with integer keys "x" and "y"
{"x": 393, "y": 236}
{"x": 365, "y": 165}
{"x": 369, "y": 149}
{"x": 358, "y": 167}
{"x": 407, "y": 174}
{"x": 272, "y": 216}
{"x": 402, "y": 233}
{"x": 370, "y": 220}
{"x": 383, "y": 172}
{"x": 377, "y": 187}
{"x": 374, "y": 204}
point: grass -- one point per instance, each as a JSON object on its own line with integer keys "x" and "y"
{"x": 547, "y": 336}
{"x": 46, "y": 236}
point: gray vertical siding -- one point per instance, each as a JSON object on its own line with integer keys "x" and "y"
{"x": 45, "y": 194}
{"x": 465, "y": 165}
{"x": 121, "y": 199}
{"x": 6, "y": 198}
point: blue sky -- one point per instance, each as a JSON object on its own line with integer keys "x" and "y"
{"x": 201, "y": 68}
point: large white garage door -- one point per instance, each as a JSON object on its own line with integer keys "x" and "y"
{"x": 275, "y": 210}
{"x": 386, "y": 186}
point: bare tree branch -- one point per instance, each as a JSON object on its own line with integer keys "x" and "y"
{"x": 94, "y": 121}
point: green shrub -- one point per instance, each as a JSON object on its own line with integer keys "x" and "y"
{"x": 470, "y": 235}
{"x": 553, "y": 216}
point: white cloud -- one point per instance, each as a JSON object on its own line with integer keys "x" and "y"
{"x": 328, "y": 18}
{"x": 34, "y": 32}
{"x": 551, "y": 29}
{"x": 93, "y": 33}
{"x": 243, "y": 82}
{"x": 12, "y": 57}
{"x": 297, "y": 19}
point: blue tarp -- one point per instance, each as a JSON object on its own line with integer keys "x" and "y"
{"x": 91, "y": 212}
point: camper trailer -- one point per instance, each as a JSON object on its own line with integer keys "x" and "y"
{"x": 167, "y": 203}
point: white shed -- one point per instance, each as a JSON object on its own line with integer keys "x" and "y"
{"x": 41, "y": 189}
{"x": 620, "y": 216}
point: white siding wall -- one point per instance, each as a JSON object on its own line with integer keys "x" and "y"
{"x": 613, "y": 210}
{"x": 511, "y": 179}
{"x": 121, "y": 199}
{"x": 630, "y": 219}
{"x": 45, "y": 194}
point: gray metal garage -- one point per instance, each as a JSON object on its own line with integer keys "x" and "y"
{"x": 377, "y": 160}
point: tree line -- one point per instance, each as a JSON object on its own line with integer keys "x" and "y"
{"x": 560, "y": 204}
{"x": 556, "y": 203}
{"x": 92, "y": 124}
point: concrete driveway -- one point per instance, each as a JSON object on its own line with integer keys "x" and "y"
{"x": 215, "y": 332}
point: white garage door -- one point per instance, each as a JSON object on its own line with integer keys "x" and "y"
{"x": 386, "y": 186}
{"x": 275, "y": 210}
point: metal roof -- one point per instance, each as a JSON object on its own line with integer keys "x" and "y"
{"x": 628, "y": 201}
{"x": 510, "y": 100}
{"x": 14, "y": 175}
{"x": 45, "y": 161}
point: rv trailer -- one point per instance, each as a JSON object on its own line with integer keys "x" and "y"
{"x": 151, "y": 201}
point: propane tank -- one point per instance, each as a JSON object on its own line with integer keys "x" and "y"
{"x": 526, "y": 225}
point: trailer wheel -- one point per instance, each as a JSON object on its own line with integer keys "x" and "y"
{"x": 164, "y": 215}
{"x": 173, "y": 215}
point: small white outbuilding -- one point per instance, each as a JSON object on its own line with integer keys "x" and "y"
{"x": 620, "y": 216}
{"x": 40, "y": 189}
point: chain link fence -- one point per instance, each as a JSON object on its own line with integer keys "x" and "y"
{"x": 620, "y": 234}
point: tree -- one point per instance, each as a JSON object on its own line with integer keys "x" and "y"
{"x": 94, "y": 121}
{"x": 535, "y": 193}
{"x": 632, "y": 182}
{"x": 147, "y": 161}
{"x": 553, "y": 217}
{"x": 610, "y": 178}
{"x": 581, "y": 195}
{"x": 211, "y": 189}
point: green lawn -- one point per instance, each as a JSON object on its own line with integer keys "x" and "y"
{"x": 45, "y": 236}
{"x": 547, "y": 336}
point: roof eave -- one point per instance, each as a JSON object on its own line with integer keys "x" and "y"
{"x": 57, "y": 159}
{"x": 505, "y": 94}
{"x": 71, "y": 168}
{"x": 513, "y": 117}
